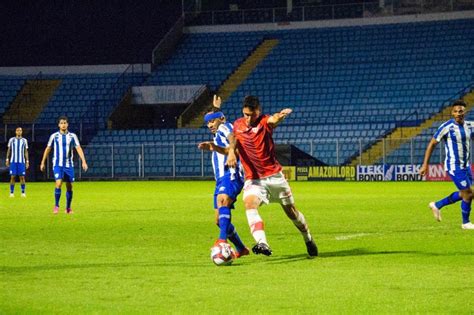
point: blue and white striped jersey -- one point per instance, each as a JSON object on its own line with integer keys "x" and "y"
{"x": 63, "y": 145}
{"x": 218, "y": 159}
{"x": 17, "y": 148}
{"x": 457, "y": 144}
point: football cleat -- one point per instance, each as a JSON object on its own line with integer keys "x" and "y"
{"x": 12, "y": 195}
{"x": 243, "y": 252}
{"x": 55, "y": 210}
{"x": 468, "y": 226}
{"x": 435, "y": 210}
{"x": 312, "y": 248}
{"x": 23, "y": 195}
{"x": 68, "y": 210}
{"x": 262, "y": 248}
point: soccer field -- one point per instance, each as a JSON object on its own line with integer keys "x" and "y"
{"x": 143, "y": 247}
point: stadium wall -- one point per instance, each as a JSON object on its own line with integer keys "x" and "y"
{"x": 64, "y": 70}
{"x": 331, "y": 23}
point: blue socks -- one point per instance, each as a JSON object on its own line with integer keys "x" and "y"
{"x": 234, "y": 238}
{"x": 22, "y": 188}
{"x": 227, "y": 229}
{"x": 12, "y": 188}
{"x": 465, "y": 211}
{"x": 68, "y": 199}
{"x": 224, "y": 221}
{"x": 57, "y": 195}
{"x": 453, "y": 198}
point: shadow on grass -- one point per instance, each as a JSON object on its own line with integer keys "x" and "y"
{"x": 359, "y": 252}
{"x": 366, "y": 252}
{"x": 22, "y": 269}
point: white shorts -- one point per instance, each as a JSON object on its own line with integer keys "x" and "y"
{"x": 273, "y": 188}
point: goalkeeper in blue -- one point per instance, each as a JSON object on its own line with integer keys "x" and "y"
{"x": 456, "y": 134}
{"x": 229, "y": 181}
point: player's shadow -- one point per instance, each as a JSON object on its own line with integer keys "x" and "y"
{"x": 356, "y": 252}
{"x": 367, "y": 252}
{"x": 36, "y": 268}
{"x": 363, "y": 252}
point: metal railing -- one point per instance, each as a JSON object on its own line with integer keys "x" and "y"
{"x": 185, "y": 160}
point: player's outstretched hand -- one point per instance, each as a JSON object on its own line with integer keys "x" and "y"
{"x": 285, "y": 112}
{"x": 217, "y": 101}
{"x": 231, "y": 160}
{"x": 84, "y": 166}
{"x": 205, "y": 146}
{"x": 423, "y": 170}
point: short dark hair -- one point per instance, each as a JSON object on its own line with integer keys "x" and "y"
{"x": 63, "y": 118}
{"x": 458, "y": 103}
{"x": 251, "y": 102}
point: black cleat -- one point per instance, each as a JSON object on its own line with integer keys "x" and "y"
{"x": 312, "y": 248}
{"x": 262, "y": 248}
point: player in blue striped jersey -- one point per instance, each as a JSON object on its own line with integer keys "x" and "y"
{"x": 17, "y": 160}
{"x": 456, "y": 134}
{"x": 63, "y": 143}
{"x": 229, "y": 181}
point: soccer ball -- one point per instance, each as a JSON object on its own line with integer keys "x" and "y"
{"x": 222, "y": 254}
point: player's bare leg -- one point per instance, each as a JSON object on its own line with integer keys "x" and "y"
{"x": 299, "y": 221}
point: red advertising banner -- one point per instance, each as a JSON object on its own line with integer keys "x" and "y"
{"x": 436, "y": 172}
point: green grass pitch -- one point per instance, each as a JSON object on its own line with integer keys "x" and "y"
{"x": 143, "y": 247}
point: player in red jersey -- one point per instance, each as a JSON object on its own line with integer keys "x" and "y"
{"x": 253, "y": 138}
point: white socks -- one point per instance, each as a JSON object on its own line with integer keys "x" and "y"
{"x": 300, "y": 223}
{"x": 256, "y": 226}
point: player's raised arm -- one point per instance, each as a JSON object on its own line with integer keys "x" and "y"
{"x": 217, "y": 102}
{"x": 276, "y": 118}
{"x": 429, "y": 150}
{"x": 231, "y": 156}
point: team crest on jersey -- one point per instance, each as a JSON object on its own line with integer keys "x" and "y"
{"x": 255, "y": 129}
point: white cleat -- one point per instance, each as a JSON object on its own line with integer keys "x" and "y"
{"x": 435, "y": 210}
{"x": 23, "y": 195}
{"x": 12, "y": 196}
{"x": 468, "y": 226}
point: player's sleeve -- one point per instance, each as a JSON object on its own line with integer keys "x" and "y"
{"x": 75, "y": 141}
{"x": 264, "y": 122}
{"x": 441, "y": 132}
{"x": 226, "y": 129}
{"x": 50, "y": 141}
{"x": 26, "y": 144}
{"x": 470, "y": 126}
{"x": 10, "y": 142}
